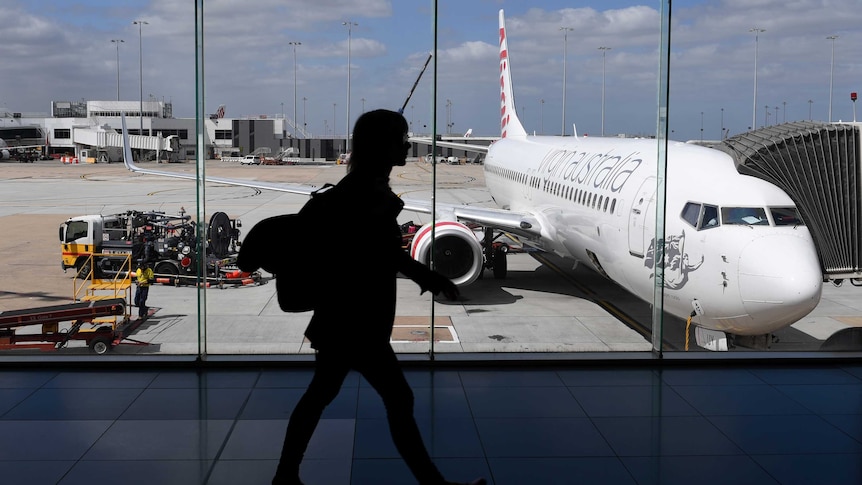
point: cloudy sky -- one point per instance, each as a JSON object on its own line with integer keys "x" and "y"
{"x": 63, "y": 50}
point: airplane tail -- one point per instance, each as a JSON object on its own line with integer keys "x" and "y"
{"x": 510, "y": 125}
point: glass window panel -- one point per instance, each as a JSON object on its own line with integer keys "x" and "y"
{"x": 690, "y": 213}
{"x": 301, "y": 111}
{"x": 785, "y": 216}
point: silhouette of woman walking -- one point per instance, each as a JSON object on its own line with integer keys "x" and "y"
{"x": 352, "y": 330}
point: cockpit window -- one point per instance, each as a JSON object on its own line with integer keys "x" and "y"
{"x": 710, "y": 217}
{"x": 746, "y": 216}
{"x": 786, "y": 216}
{"x": 690, "y": 213}
{"x": 700, "y": 216}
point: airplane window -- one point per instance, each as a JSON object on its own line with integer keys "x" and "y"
{"x": 613, "y": 205}
{"x": 601, "y": 197}
{"x": 710, "y": 217}
{"x": 690, "y": 213}
{"x": 750, "y": 216}
{"x": 605, "y": 208}
{"x": 786, "y": 216}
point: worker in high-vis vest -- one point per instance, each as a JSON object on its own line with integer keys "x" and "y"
{"x": 144, "y": 277}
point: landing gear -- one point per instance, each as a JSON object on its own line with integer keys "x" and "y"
{"x": 501, "y": 265}
{"x": 495, "y": 254}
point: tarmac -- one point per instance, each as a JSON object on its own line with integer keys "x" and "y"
{"x": 543, "y": 306}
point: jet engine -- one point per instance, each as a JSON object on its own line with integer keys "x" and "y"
{"x": 457, "y": 251}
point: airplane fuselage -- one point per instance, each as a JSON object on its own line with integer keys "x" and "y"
{"x": 595, "y": 199}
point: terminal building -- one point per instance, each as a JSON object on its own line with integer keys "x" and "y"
{"x": 74, "y": 128}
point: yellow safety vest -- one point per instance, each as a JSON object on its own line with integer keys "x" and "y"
{"x": 145, "y": 276}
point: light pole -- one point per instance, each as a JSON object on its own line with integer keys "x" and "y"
{"x": 831, "y": 73}
{"x": 304, "y": 124}
{"x": 566, "y": 31}
{"x": 363, "y": 105}
{"x": 701, "y": 126}
{"x": 784, "y": 110}
{"x": 810, "y": 102}
{"x": 294, "y": 44}
{"x": 333, "y": 120}
{"x": 766, "y": 116}
{"x": 350, "y": 25}
{"x": 140, "y": 24}
{"x": 118, "y": 42}
{"x": 722, "y": 125}
{"x": 776, "y": 115}
{"x": 757, "y": 33}
{"x": 448, "y": 116}
{"x": 604, "y": 51}
{"x": 542, "y": 116}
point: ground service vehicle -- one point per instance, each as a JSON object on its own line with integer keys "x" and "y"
{"x": 251, "y": 160}
{"x": 166, "y": 241}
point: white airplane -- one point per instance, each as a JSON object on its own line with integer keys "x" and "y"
{"x": 737, "y": 258}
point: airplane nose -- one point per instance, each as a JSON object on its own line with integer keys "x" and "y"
{"x": 780, "y": 280}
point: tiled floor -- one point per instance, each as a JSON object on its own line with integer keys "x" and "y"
{"x": 755, "y": 424}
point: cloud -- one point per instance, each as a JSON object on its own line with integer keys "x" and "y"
{"x": 59, "y": 50}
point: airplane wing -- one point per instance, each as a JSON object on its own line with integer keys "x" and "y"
{"x": 279, "y": 187}
{"x": 16, "y": 147}
{"x": 520, "y": 223}
{"x": 523, "y": 224}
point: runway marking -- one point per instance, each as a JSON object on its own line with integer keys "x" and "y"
{"x": 255, "y": 194}
{"x": 420, "y": 178}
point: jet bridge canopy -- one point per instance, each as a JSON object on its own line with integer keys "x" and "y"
{"x": 818, "y": 166}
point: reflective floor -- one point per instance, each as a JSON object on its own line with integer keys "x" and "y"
{"x": 763, "y": 424}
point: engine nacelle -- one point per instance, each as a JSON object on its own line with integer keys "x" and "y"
{"x": 458, "y": 252}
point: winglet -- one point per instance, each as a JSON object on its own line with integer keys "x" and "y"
{"x": 510, "y": 125}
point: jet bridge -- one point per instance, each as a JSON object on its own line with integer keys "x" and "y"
{"x": 818, "y": 166}
{"x": 108, "y": 139}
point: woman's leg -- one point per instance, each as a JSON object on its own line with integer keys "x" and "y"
{"x": 382, "y": 370}
{"x": 329, "y": 373}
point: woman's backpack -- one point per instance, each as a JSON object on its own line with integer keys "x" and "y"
{"x": 280, "y": 245}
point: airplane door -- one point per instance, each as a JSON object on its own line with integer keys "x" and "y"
{"x": 642, "y": 205}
